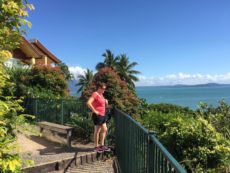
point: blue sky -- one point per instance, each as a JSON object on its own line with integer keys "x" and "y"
{"x": 173, "y": 41}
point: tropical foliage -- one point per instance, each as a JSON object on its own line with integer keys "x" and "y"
{"x": 117, "y": 91}
{"x": 84, "y": 80}
{"x": 109, "y": 61}
{"x": 121, "y": 65}
{"x": 190, "y": 136}
{"x": 65, "y": 71}
{"x": 38, "y": 81}
{"x": 118, "y": 74}
{"x": 219, "y": 117}
{"x": 125, "y": 70}
{"x": 83, "y": 126}
{"x": 12, "y": 13}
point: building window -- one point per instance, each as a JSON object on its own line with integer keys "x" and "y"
{"x": 53, "y": 64}
{"x": 13, "y": 62}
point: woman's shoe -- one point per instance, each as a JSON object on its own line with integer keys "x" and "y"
{"x": 105, "y": 148}
{"x": 98, "y": 150}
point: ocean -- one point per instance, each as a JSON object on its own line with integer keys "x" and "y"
{"x": 189, "y": 96}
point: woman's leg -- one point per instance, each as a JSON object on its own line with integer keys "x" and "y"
{"x": 103, "y": 133}
{"x": 97, "y": 130}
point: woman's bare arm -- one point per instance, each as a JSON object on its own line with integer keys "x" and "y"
{"x": 89, "y": 104}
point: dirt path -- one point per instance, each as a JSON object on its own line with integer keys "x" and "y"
{"x": 28, "y": 145}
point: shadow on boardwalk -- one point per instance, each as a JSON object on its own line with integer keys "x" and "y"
{"x": 40, "y": 150}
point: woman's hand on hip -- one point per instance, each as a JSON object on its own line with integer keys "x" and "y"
{"x": 96, "y": 112}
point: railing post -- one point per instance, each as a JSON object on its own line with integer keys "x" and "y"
{"x": 36, "y": 109}
{"x": 62, "y": 112}
{"x": 150, "y": 155}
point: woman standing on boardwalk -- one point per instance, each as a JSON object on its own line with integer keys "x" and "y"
{"x": 97, "y": 103}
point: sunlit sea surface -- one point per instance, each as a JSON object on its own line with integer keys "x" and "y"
{"x": 189, "y": 96}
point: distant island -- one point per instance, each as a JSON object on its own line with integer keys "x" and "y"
{"x": 196, "y": 85}
{"x": 202, "y": 85}
{"x": 73, "y": 88}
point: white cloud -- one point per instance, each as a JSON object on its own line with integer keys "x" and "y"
{"x": 171, "y": 79}
{"x": 183, "y": 78}
{"x": 77, "y": 70}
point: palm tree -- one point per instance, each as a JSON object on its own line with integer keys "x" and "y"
{"x": 109, "y": 61}
{"x": 84, "y": 80}
{"x": 100, "y": 65}
{"x": 125, "y": 70}
{"x": 65, "y": 69}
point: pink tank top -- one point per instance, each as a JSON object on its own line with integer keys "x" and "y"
{"x": 99, "y": 103}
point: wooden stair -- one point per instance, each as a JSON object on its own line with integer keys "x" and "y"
{"x": 94, "y": 167}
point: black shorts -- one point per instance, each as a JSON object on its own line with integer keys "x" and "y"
{"x": 98, "y": 120}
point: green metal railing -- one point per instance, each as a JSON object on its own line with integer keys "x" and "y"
{"x": 138, "y": 151}
{"x": 54, "y": 110}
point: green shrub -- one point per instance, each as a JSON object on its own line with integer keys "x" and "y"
{"x": 169, "y": 108}
{"x": 218, "y": 116}
{"x": 38, "y": 81}
{"x": 83, "y": 124}
{"x": 192, "y": 141}
{"x": 12, "y": 13}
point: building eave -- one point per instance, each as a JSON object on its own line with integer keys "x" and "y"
{"x": 44, "y": 50}
{"x": 28, "y": 49}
